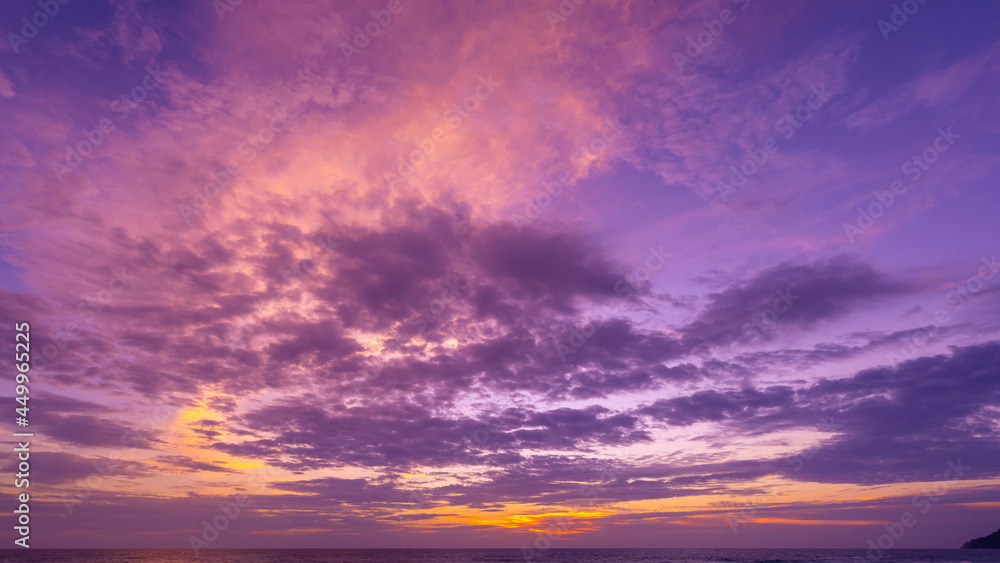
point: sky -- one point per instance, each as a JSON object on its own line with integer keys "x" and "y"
{"x": 504, "y": 274}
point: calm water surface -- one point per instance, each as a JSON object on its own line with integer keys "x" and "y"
{"x": 501, "y": 555}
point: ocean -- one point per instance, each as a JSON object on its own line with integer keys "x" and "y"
{"x": 499, "y": 556}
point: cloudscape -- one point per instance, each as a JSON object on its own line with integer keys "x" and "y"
{"x": 577, "y": 273}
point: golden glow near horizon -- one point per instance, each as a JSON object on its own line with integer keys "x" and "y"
{"x": 780, "y": 500}
{"x": 560, "y": 522}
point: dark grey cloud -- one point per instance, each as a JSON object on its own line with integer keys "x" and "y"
{"x": 888, "y": 424}
{"x": 799, "y": 294}
{"x": 185, "y": 464}
{"x": 906, "y": 423}
{"x": 715, "y": 406}
{"x": 49, "y": 469}
{"x": 92, "y": 431}
{"x": 397, "y": 434}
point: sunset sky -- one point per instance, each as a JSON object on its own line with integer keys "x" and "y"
{"x": 608, "y": 273}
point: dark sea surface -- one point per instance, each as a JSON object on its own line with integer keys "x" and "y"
{"x": 500, "y": 555}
